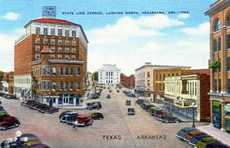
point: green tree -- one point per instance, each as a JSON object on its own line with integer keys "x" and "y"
{"x": 95, "y": 76}
{"x": 215, "y": 66}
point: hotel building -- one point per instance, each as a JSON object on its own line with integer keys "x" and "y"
{"x": 50, "y": 62}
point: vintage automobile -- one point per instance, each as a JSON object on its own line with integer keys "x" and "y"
{"x": 26, "y": 140}
{"x": 97, "y": 116}
{"x": 75, "y": 119}
{"x": 7, "y": 122}
{"x": 131, "y": 111}
{"x": 94, "y": 105}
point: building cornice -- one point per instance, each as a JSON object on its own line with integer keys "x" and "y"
{"x": 217, "y": 7}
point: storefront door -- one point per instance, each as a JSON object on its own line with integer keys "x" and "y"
{"x": 216, "y": 110}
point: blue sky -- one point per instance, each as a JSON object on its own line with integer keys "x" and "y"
{"x": 141, "y": 40}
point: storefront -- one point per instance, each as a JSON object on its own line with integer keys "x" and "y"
{"x": 227, "y": 117}
{"x": 216, "y": 114}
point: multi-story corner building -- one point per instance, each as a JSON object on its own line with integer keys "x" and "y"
{"x": 159, "y": 77}
{"x": 109, "y": 75}
{"x": 127, "y": 81}
{"x": 149, "y": 78}
{"x": 51, "y": 61}
{"x": 219, "y": 13}
{"x": 187, "y": 92}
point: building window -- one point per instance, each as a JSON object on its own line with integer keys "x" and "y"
{"x": 38, "y": 30}
{"x": 67, "y": 33}
{"x": 70, "y": 100}
{"x": 148, "y": 74}
{"x": 59, "y": 32}
{"x": 37, "y": 48}
{"x": 37, "y": 56}
{"x": 45, "y": 41}
{"x": 67, "y": 42}
{"x": 52, "y": 31}
{"x": 228, "y": 86}
{"x": 74, "y": 33}
{"x": 228, "y": 20}
{"x": 217, "y": 25}
{"x": 228, "y": 63}
{"x": 217, "y": 44}
{"x": 52, "y": 41}
{"x": 78, "y": 71}
{"x": 45, "y": 31}
{"x": 228, "y": 41}
{"x": 67, "y": 50}
{"x": 59, "y": 42}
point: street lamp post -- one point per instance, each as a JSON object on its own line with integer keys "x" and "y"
{"x": 193, "y": 115}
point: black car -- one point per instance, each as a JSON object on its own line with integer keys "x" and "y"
{"x": 11, "y": 97}
{"x": 128, "y": 102}
{"x": 108, "y": 96}
{"x": 94, "y": 105}
{"x": 97, "y": 116}
{"x": 68, "y": 117}
{"x": 131, "y": 111}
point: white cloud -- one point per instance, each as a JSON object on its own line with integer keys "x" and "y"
{"x": 183, "y": 16}
{"x": 202, "y": 29}
{"x": 130, "y": 43}
{"x": 7, "y": 41}
{"x": 11, "y": 16}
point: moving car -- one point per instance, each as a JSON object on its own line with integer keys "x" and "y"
{"x": 7, "y": 122}
{"x": 94, "y": 105}
{"x": 131, "y": 111}
{"x": 75, "y": 119}
{"x": 108, "y": 96}
{"x": 128, "y": 102}
{"x": 97, "y": 116}
{"x": 9, "y": 96}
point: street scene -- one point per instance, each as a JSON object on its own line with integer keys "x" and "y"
{"x": 117, "y": 129}
{"x": 125, "y": 74}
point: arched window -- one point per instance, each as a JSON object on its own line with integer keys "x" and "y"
{"x": 217, "y": 25}
{"x": 228, "y": 20}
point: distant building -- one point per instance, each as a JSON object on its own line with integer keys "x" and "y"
{"x": 149, "y": 81}
{"x": 9, "y": 79}
{"x": 89, "y": 78}
{"x": 182, "y": 91}
{"x": 50, "y": 62}
{"x": 127, "y": 81}
{"x": 109, "y": 75}
{"x": 219, "y": 13}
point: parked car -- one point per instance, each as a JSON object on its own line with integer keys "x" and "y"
{"x": 128, "y": 102}
{"x": 131, "y": 111}
{"x": 108, "y": 96}
{"x": 7, "y": 122}
{"x": 216, "y": 144}
{"x": 27, "y": 140}
{"x": 2, "y": 109}
{"x": 75, "y": 119}
{"x": 94, "y": 105}
{"x": 183, "y": 132}
{"x": 43, "y": 108}
{"x": 9, "y": 96}
{"x": 97, "y": 116}
{"x": 205, "y": 141}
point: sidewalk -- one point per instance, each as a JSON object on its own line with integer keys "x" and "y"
{"x": 216, "y": 133}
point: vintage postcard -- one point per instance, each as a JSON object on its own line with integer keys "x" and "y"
{"x": 115, "y": 74}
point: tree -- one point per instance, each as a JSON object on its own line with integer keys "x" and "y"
{"x": 215, "y": 66}
{"x": 95, "y": 76}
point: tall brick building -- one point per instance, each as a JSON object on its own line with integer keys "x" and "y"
{"x": 127, "y": 81}
{"x": 50, "y": 62}
{"x": 219, "y": 13}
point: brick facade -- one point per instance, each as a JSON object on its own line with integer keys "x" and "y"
{"x": 127, "y": 81}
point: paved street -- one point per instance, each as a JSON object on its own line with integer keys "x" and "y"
{"x": 117, "y": 130}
